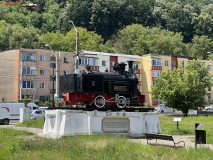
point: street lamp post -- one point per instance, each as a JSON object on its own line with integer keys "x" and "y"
{"x": 56, "y": 59}
{"x": 77, "y": 37}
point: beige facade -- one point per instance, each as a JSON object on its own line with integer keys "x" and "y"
{"x": 153, "y": 64}
{"x": 27, "y": 72}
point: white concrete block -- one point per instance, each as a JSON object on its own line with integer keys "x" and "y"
{"x": 25, "y": 114}
{"x": 59, "y": 123}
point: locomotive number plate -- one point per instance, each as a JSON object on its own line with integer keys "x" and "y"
{"x": 115, "y": 125}
{"x": 120, "y": 88}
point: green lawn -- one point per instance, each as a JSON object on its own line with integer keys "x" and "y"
{"x": 34, "y": 123}
{"x": 186, "y": 126}
{"x": 17, "y": 145}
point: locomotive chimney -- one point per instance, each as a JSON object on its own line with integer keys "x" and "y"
{"x": 130, "y": 63}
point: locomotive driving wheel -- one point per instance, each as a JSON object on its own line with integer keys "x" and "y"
{"x": 100, "y": 101}
{"x": 121, "y": 102}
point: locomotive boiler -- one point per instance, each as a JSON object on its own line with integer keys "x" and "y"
{"x": 102, "y": 89}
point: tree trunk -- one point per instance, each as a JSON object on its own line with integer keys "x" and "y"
{"x": 185, "y": 112}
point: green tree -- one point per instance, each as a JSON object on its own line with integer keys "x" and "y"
{"x": 200, "y": 47}
{"x": 77, "y": 11}
{"x": 55, "y": 40}
{"x": 15, "y": 36}
{"x": 88, "y": 40}
{"x": 183, "y": 89}
{"x": 138, "y": 40}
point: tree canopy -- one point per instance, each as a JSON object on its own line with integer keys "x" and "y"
{"x": 183, "y": 88}
{"x": 173, "y": 27}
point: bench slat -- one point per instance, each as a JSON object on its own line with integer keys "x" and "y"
{"x": 159, "y": 136}
{"x": 150, "y": 136}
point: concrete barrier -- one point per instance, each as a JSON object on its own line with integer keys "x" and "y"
{"x": 59, "y": 123}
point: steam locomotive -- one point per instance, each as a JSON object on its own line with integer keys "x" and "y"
{"x": 102, "y": 89}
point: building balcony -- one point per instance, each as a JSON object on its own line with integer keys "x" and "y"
{"x": 94, "y": 68}
{"x": 156, "y": 67}
{"x": 136, "y": 71}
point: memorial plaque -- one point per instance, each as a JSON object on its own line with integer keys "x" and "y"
{"x": 116, "y": 125}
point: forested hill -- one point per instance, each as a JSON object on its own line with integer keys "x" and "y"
{"x": 172, "y": 27}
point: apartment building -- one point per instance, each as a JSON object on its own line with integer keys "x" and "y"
{"x": 105, "y": 61}
{"x": 153, "y": 64}
{"x": 29, "y": 72}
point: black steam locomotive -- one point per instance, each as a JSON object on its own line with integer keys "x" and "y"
{"x": 101, "y": 89}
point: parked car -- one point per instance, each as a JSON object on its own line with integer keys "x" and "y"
{"x": 162, "y": 108}
{"x": 37, "y": 114}
{"x": 209, "y": 107}
{"x": 11, "y": 111}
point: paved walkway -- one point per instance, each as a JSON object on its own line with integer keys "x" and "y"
{"x": 187, "y": 139}
{"x": 33, "y": 130}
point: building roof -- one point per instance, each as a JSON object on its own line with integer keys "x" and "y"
{"x": 153, "y": 54}
{"x": 109, "y": 54}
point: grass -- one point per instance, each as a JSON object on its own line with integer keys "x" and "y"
{"x": 14, "y": 146}
{"x": 34, "y": 123}
{"x": 186, "y": 126}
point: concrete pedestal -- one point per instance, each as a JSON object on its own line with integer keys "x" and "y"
{"x": 59, "y": 123}
{"x": 25, "y": 114}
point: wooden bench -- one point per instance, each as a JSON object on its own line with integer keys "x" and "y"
{"x": 150, "y": 136}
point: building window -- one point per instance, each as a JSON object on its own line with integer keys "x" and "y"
{"x": 42, "y": 85}
{"x": 166, "y": 63}
{"x": 92, "y": 61}
{"x": 209, "y": 67}
{"x": 28, "y": 84}
{"x": 153, "y": 83}
{"x": 112, "y": 63}
{"x": 173, "y": 63}
{"x": 27, "y": 56}
{"x": 103, "y": 63}
{"x": 156, "y": 73}
{"x": 209, "y": 88}
{"x": 209, "y": 99}
{"x": 42, "y": 58}
{"x": 42, "y": 72}
{"x": 66, "y": 60}
{"x": 156, "y": 62}
{"x": 52, "y": 91}
{"x": 182, "y": 64}
{"x": 88, "y": 61}
{"x": 28, "y": 70}
{"x": 82, "y": 61}
{"x": 135, "y": 66}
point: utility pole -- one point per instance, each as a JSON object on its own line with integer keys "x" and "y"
{"x": 57, "y": 76}
{"x": 77, "y": 44}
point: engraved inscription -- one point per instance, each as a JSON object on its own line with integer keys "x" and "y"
{"x": 120, "y": 88}
{"x": 116, "y": 125}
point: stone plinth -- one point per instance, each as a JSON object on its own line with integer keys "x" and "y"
{"x": 59, "y": 123}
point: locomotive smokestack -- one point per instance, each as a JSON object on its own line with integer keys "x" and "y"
{"x": 130, "y": 63}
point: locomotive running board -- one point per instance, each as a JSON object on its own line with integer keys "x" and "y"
{"x": 108, "y": 109}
